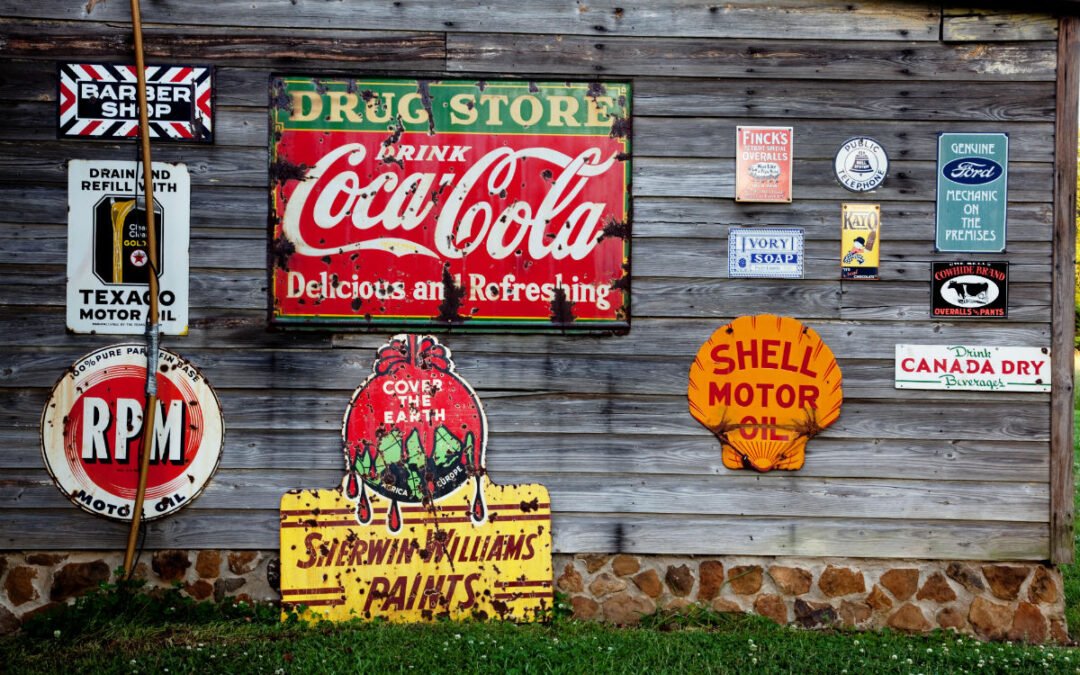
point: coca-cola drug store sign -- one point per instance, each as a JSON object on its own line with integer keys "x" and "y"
{"x": 490, "y": 205}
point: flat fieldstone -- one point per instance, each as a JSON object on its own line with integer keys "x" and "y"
{"x": 9, "y": 623}
{"x": 570, "y": 580}
{"x": 902, "y": 582}
{"x": 243, "y": 562}
{"x": 170, "y": 565}
{"x": 839, "y": 581}
{"x": 966, "y": 576}
{"x": 879, "y": 599}
{"x": 910, "y": 619}
{"x": 725, "y": 606}
{"x": 208, "y": 564}
{"x": 1005, "y": 580}
{"x": 1028, "y": 625}
{"x": 625, "y": 609}
{"x": 710, "y": 579}
{"x": 989, "y": 619}
{"x": 810, "y": 614}
{"x": 593, "y": 561}
{"x": 745, "y": 579}
{"x": 937, "y": 589}
{"x": 951, "y": 617}
{"x": 1043, "y": 588}
{"x": 649, "y": 583}
{"x": 854, "y": 613}
{"x": 771, "y": 607}
{"x": 585, "y": 608}
{"x": 625, "y": 565}
{"x": 679, "y": 579}
{"x": 76, "y": 578}
{"x": 223, "y": 587}
{"x": 46, "y": 559}
{"x": 201, "y": 589}
{"x": 605, "y": 584}
{"x": 20, "y": 585}
{"x": 791, "y": 580}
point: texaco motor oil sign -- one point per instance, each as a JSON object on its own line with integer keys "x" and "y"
{"x": 108, "y": 262}
{"x": 483, "y": 205}
{"x": 416, "y": 530}
{"x": 92, "y": 432}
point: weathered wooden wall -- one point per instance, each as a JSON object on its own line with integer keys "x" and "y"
{"x": 602, "y": 421}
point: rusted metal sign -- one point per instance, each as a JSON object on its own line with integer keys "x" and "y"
{"x": 487, "y": 205}
{"x": 765, "y": 385}
{"x": 416, "y": 530}
{"x": 108, "y": 259}
{"x": 99, "y": 100}
{"x": 860, "y": 241}
{"x": 91, "y": 433}
{"x": 973, "y": 368}
{"x": 763, "y": 164}
{"x": 969, "y": 289}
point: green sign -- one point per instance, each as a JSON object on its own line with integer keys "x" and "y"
{"x": 972, "y": 192}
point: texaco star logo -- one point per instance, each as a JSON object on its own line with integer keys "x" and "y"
{"x": 139, "y": 257}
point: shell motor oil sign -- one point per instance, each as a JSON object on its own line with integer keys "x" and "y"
{"x": 765, "y": 385}
{"x": 416, "y": 530}
{"x": 92, "y": 432}
{"x": 480, "y": 204}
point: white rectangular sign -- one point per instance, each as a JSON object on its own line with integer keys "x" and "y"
{"x": 765, "y": 253}
{"x": 971, "y": 368}
{"x": 108, "y": 264}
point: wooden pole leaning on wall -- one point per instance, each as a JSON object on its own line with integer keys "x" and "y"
{"x": 152, "y": 319}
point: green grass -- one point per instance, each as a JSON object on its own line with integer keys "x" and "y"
{"x": 124, "y": 632}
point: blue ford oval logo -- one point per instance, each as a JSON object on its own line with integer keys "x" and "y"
{"x": 972, "y": 170}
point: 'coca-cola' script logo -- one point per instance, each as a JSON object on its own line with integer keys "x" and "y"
{"x": 333, "y": 195}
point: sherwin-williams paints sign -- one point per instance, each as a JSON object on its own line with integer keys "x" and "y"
{"x": 483, "y": 205}
{"x": 973, "y": 368}
{"x": 972, "y": 192}
{"x": 765, "y": 385}
{"x": 416, "y": 530}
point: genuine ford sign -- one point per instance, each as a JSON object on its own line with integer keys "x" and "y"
{"x": 972, "y": 170}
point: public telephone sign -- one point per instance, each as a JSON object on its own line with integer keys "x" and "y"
{"x": 972, "y": 192}
{"x": 486, "y": 205}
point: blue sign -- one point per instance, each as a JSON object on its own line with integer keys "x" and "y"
{"x": 765, "y": 253}
{"x": 972, "y": 192}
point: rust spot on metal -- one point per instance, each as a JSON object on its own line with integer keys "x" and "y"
{"x": 422, "y": 87}
{"x": 278, "y": 99}
{"x": 281, "y": 251}
{"x": 533, "y": 505}
{"x": 620, "y": 128}
{"x": 450, "y": 307}
{"x": 596, "y": 89}
{"x": 619, "y": 229}
{"x": 281, "y": 171}
{"x": 562, "y": 310}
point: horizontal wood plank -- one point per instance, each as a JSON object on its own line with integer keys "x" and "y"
{"x": 872, "y": 19}
{"x": 858, "y": 537}
{"x": 758, "y": 59}
{"x": 971, "y": 24}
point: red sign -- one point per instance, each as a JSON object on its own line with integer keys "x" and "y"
{"x": 763, "y": 164}
{"x": 474, "y": 204}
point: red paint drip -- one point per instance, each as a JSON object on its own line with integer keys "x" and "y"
{"x": 478, "y": 510}
{"x": 363, "y": 508}
{"x": 393, "y": 517}
{"x": 352, "y": 486}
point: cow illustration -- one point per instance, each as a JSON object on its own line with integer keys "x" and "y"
{"x": 969, "y": 291}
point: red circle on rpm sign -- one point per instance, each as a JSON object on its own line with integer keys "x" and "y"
{"x": 92, "y": 430}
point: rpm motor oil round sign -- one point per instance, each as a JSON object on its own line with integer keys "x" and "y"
{"x": 92, "y": 433}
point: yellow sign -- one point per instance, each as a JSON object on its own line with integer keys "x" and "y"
{"x": 860, "y": 237}
{"x": 416, "y": 531}
{"x": 765, "y": 385}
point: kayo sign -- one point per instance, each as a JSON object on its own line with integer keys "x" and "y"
{"x": 417, "y": 530}
{"x": 476, "y": 204}
{"x": 765, "y": 385}
{"x": 92, "y": 430}
{"x": 972, "y": 368}
{"x": 108, "y": 259}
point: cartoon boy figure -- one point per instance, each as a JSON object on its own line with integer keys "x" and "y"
{"x": 858, "y": 247}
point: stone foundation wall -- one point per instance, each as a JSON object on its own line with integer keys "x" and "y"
{"x": 995, "y": 601}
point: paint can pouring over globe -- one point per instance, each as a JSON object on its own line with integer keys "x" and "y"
{"x": 414, "y": 432}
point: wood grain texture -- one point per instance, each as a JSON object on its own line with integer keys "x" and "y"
{"x": 971, "y": 24}
{"x": 783, "y": 536}
{"x": 758, "y": 59}
{"x": 1063, "y": 309}
{"x": 872, "y": 19}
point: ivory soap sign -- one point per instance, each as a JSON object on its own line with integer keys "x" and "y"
{"x": 972, "y": 368}
{"x": 765, "y": 385}
{"x": 763, "y": 164}
{"x": 92, "y": 433}
{"x": 479, "y": 205}
{"x": 108, "y": 257}
{"x": 972, "y": 192}
{"x": 416, "y": 531}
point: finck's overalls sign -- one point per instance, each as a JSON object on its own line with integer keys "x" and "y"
{"x": 475, "y": 204}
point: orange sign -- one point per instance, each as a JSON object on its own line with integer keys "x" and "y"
{"x": 765, "y": 385}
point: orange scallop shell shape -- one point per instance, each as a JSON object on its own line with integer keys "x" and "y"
{"x": 765, "y": 385}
